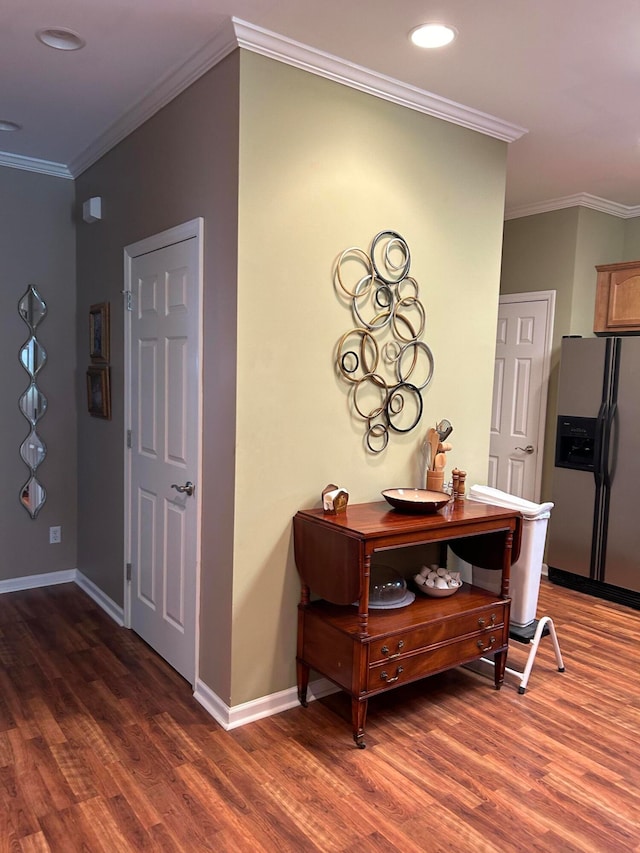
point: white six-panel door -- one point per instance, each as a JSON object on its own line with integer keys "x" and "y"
{"x": 523, "y": 346}
{"x": 164, "y": 414}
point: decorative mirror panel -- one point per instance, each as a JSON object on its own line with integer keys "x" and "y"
{"x": 32, "y": 403}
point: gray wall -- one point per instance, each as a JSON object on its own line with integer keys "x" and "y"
{"x": 37, "y": 246}
{"x": 181, "y": 164}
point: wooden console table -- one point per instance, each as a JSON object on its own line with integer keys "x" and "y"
{"x": 368, "y": 652}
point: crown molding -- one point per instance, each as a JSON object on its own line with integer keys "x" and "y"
{"x": 339, "y": 70}
{"x": 171, "y": 85}
{"x": 593, "y": 202}
{"x": 32, "y": 164}
{"x": 237, "y": 33}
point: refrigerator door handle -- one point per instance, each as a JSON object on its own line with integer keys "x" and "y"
{"x": 611, "y": 445}
{"x": 599, "y": 466}
{"x": 601, "y": 443}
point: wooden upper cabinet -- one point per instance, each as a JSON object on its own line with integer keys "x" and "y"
{"x": 617, "y": 299}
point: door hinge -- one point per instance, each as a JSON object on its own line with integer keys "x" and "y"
{"x": 128, "y": 571}
{"x": 128, "y": 300}
{"x": 129, "y": 438}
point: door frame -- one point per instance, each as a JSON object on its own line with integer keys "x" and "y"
{"x": 194, "y": 228}
{"x": 548, "y": 296}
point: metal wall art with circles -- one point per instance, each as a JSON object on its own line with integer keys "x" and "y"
{"x": 383, "y": 358}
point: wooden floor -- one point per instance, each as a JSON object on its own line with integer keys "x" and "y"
{"x": 102, "y": 748}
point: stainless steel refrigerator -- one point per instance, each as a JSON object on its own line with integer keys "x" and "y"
{"x": 594, "y": 529}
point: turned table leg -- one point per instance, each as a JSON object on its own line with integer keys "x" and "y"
{"x": 500, "y": 663}
{"x": 302, "y": 669}
{"x": 303, "y": 682}
{"x": 358, "y": 719}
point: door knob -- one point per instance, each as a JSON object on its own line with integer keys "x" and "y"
{"x": 186, "y": 489}
{"x": 528, "y": 449}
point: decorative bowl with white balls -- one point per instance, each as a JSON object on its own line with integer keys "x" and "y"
{"x": 437, "y": 581}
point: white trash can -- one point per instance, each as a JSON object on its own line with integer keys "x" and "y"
{"x": 526, "y": 571}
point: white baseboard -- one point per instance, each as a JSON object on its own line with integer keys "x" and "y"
{"x": 228, "y": 717}
{"x": 107, "y": 604}
{"x": 247, "y": 712}
{"x": 35, "y": 581}
{"x": 545, "y": 570}
{"x": 68, "y": 576}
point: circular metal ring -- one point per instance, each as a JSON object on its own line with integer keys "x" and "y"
{"x": 391, "y": 351}
{"x": 401, "y": 303}
{"x": 390, "y": 263}
{"x": 408, "y": 280}
{"x": 395, "y": 410}
{"x": 384, "y": 288}
{"x": 344, "y": 367}
{"x": 376, "y": 379}
{"x": 382, "y": 319}
{"x": 389, "y": 413}
{"x": 377, "y": 431}
{"x": 409, "y": 326}
{"x": 365, "y": 337}
{"x": 361, "y": 255}
{"x": 399, "y": 271}
{"x": 416, "y": 345}
{"x": 400, "y": 348}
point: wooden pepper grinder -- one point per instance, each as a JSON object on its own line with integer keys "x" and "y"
{"x": 458, "y": 478}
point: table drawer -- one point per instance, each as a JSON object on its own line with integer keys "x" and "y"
{"x": 412, "y": 666}
{"x": 390, "y": 647}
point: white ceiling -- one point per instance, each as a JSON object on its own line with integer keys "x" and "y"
{"x": 566, "y": 70}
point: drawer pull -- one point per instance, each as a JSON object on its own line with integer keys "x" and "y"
{"x": 385, "y": 677}
{"x": 483, "y": 648}
{"x": 385, "y": 650}
{"x": 482, "y": 622}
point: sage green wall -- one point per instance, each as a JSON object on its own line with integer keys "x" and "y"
{"x": 306, "y": 168}
{"x": 538, "y": 253}
{"x": 631, "y": 249}
{"x": 558, "y": 251}
{"x": 324, "y": 167}
{"x": 37, "y": 246}
{"x": 181, "y": 164}
{"x": 600, "y": 240}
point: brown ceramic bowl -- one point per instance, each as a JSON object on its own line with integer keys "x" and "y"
{"x": 416, "y": 501}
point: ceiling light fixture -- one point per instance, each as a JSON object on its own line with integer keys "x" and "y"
{"x": 60, "y": 38}
{"x": 432, "y": 35}
{"x": 9, "y": 126}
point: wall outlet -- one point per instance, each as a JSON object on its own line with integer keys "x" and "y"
{"x": 55, "y": 535}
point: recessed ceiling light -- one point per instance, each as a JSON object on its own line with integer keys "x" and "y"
{"x": 9, "y": 125}
{"x": 60, "y": 38}
{"x": 432, "y": 35}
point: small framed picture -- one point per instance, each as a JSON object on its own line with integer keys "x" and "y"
{"x": 99, "y": 332}
{"x": 99, "y": 392}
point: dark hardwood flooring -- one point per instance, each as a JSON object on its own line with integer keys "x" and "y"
{"x": 103, "y": 748}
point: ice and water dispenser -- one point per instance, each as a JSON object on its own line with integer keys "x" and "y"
{"x": 576, "y": 443}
